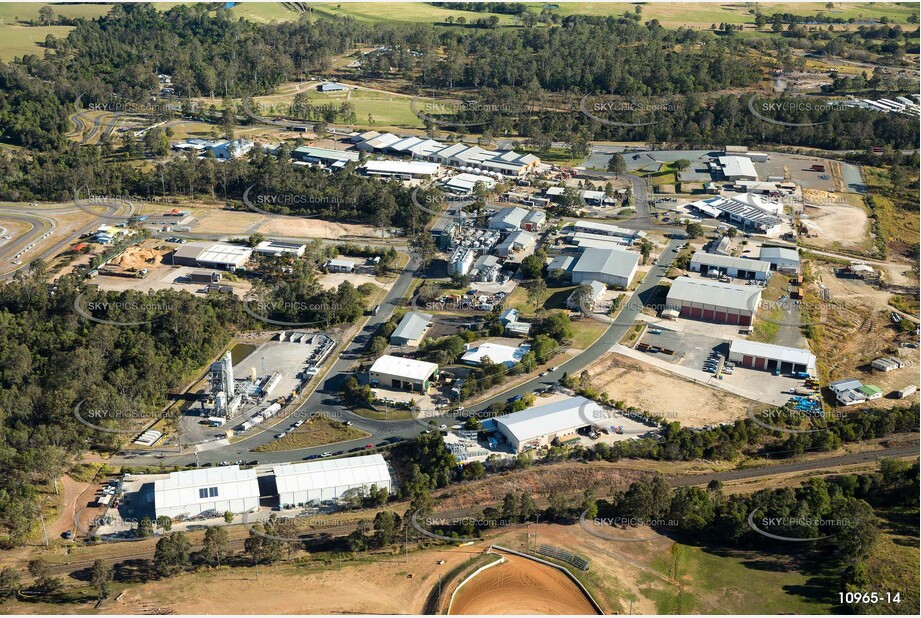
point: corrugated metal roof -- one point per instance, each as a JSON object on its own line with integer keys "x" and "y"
{"x": 331, "y": 473}
{"x": 738, "y": 166}
{"x": 181, "y": 488}
{"x": 406, "y": 368}
{"x": 553, "y": 417}
{"x": 412, "y": 325}
{"x": 705, "y": 292}
{"x": 770, "y": 351}
{"x": 613, "y": 262}
{"x": 768, "y": 253}
{"x": 725, "y": 261}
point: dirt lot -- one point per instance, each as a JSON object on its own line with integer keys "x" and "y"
{"x": 218, "y": 221}
{"x": 520, "y": 586}
{"x": 331, "y": 281}
{"x": 857, "y": 329}
{"x": 662, "y": 393}
{"x": 381, "y": 587}
{"x": 164, "y": 277}
{"x": 836, "y": 225}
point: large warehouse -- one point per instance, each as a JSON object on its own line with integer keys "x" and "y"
{"x": 539, "y": 426}
{"x": 402, "y": 373}
{"x": 771, "y": 357}
{"x": 212, "y": 255}
{"x": 320, "y": 481}
{"x": 737, "y": 268}
{"x": 209, "y": 490}
{"x": 737, "y": 168}
{"x": 714, "y": 301}
{"x": 611, "y": 266}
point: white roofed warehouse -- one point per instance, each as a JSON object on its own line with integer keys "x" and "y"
{"x": 738, "y": 268}
{"x": 324, "y": 480}
{"x": 771, "y": 357}
{"x": 209, "y": 490}
{"x": 611, "y": 266}
{"x": 402, "y": 373}
{"x": 537, "y": 427}
{"x": 714, "y": 301}
{"x": 212, "y": 255}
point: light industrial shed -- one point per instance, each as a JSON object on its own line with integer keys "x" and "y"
{"x": 401, "y": 169}
{"x": 539, "y": 426}
{"x": 780, "y": 258}
{"x": 714, "y": 301}
{"x": 738, "y": 168}
{"x": 212, "y": 255}
{"x": 209, "y": 490}
{"x": 324, "y": 480}
{"x": 402, "y": 373}
{"x": 771, "y": 357}
{"x": 739, "y": 268}
{"x": 411, "y": 329}
{"x": 607, "y": 265}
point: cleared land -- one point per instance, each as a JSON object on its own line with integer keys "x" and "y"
{"x": 664, "y": 394}
{"x": 520, "y": 586}
{"x": 842, "y": 225}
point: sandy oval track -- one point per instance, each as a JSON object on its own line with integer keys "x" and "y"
{"x": 520, "y": 586}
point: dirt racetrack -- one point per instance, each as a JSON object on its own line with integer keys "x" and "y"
{"x": 520, "y": 586}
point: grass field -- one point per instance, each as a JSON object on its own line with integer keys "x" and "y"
{"x": 703, "y": 14}
{"x": 893, "y": 565}
{"x": 414, "y": 12}
{"x": 317, "y": 431}
{"x": 10, "y": 12}
{"x": 896, "y": 208}
{"x": 18, "y": 39}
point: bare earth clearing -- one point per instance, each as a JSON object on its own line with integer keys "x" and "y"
{"x": 520, "y": 586}
{"x": 664, "y": 394}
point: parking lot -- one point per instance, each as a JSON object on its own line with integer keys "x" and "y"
{"x": 699, "y": 346}
{"x": 790, "y": 166}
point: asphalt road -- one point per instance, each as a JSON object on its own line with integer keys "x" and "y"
{"x": 132, "y": 552}
{"x": 324, "y": 399}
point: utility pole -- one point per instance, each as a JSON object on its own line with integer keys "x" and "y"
{"x": 44, "y": 530}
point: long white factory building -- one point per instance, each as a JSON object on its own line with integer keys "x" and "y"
{"x": 323, "y": 480}
{"x": 214, "y": 491}
{"x": 210, "y": 490}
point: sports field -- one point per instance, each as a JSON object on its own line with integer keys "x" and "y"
{"x": 520, "y": 586}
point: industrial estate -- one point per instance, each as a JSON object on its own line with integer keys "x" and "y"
{"x": 458, "y": 310}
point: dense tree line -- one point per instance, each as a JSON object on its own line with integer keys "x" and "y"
{"x": 51, "y": 359}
